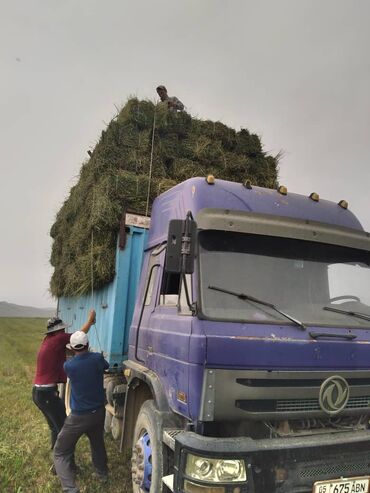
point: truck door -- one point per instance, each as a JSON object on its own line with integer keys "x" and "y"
{"x": 165, "y": 329}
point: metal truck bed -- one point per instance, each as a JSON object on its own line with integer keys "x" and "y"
{"x": 115, "y": 302}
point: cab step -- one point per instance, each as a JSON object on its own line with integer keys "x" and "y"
{"x": 168, "y": 481}
{"x": 169, "y": 435}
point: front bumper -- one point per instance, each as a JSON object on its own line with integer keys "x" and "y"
{"x": 281, "y": 465}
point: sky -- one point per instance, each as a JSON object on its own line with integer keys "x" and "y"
{"x": 297, "y": 73}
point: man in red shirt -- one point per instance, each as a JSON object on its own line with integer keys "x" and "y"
{"x": 50, "y": 372}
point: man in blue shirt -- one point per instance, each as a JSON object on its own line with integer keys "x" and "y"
{"x": 86, "y": 373}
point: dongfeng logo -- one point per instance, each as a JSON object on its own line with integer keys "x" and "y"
{"x": 334, "y": 394}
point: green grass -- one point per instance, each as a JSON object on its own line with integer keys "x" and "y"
{"x": 24, "y": 435}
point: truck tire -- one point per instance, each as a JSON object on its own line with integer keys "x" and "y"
{"x": 110, "y": 388}
{"x": 116, "y": 427}
{"x": 148, "y": 452}
{"x": 107, "y": 421}
{"x": 67, "y": 397}
{"x": 62, "y": 391}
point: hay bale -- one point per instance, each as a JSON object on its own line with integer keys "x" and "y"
{"x": 116, "y": 178}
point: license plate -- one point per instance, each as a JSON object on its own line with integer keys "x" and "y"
{"x": 353, "y": 485}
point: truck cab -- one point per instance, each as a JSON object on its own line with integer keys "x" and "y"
{"x": 247, "y": 367}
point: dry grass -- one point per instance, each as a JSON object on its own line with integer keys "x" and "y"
{"x": 115, "y": 178}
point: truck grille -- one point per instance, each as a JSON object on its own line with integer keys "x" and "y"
{"x": 296, "y": 405}
{"x": 313, "y": 404}
{"x": 333, "y": 470}
{"x": 258, "y": 401}
{"x": 277, "y": 395}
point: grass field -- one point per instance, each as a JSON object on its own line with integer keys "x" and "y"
{"x": 24, "y": 435}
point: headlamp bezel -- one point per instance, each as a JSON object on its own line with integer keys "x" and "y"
{"x": 212, "y": 475}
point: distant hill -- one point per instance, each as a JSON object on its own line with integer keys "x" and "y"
{"x": 12, "y": 310}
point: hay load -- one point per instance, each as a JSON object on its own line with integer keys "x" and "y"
{"x": 116, "y": 179}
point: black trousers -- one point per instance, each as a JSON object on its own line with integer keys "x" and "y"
{"x": 91, "y": 424}
{"x": 52, "y": 407}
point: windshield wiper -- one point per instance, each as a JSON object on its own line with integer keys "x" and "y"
{"x": 347, "y": 312}
{"x": 247, "y": 297}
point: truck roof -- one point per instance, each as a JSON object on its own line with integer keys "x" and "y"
{"x": 196, "y": 194}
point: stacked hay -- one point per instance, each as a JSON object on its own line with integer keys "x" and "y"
{"x": 116, "y": 176}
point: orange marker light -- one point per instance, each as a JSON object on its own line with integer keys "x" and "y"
{"x": 283, "y": 190}
{"x": 314, "y": 196}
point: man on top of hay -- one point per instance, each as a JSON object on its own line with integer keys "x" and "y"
{"x": 173, "y": 103}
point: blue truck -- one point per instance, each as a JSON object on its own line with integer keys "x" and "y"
{"x": 237, "y": 329}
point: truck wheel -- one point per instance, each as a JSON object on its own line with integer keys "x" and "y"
{"x": 147, "y": 451}
{"x": 109, "y": 390}
{"x": 107, "y": 421}
{"x": 62, "y": 391}
{"x": 67, "y": 397}
{"x": 116, "y": 427}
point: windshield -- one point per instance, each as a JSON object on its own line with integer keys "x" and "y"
{"x": 299, "y": 277}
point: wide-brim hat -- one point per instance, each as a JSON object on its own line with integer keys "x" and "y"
{"x": 54, "y": 324}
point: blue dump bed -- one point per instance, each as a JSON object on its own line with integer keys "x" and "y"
{"x": 115, "y": 302}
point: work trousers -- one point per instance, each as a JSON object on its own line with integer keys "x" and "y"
{"x": 52, "y": 407}
{"x": 91, "y": 424}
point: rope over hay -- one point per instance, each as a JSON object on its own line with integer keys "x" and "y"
{"x": 116, "y": 179}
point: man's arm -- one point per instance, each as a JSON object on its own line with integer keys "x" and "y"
{"x": 175, "y": 103}
{"x": 90, "y": 321}
{"x": 179, "y": 105}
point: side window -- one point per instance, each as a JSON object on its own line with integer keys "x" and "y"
{"x": 152, "y": 274}
{"x": 183, "y": 302}
{"x": 170, "y": 289}
{"x": 173, "y": 292}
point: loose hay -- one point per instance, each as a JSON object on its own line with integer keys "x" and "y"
{"x": 116, "y": 176}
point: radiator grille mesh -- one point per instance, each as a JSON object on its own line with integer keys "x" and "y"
{"x": 313, "y": 404}
{"x": 334, "y": 470}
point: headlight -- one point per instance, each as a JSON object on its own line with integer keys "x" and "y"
{"x": 215, "y": 470}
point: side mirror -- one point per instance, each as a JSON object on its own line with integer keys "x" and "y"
{"x": 181, "y": 246}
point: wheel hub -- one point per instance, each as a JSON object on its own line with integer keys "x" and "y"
{"x": 141, "y": 463}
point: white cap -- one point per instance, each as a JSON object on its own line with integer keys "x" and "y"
{"x": 78, "y": 340}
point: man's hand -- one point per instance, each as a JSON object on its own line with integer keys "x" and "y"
{"x": 92, "y": 317}
{"x": 90, "y": 321}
